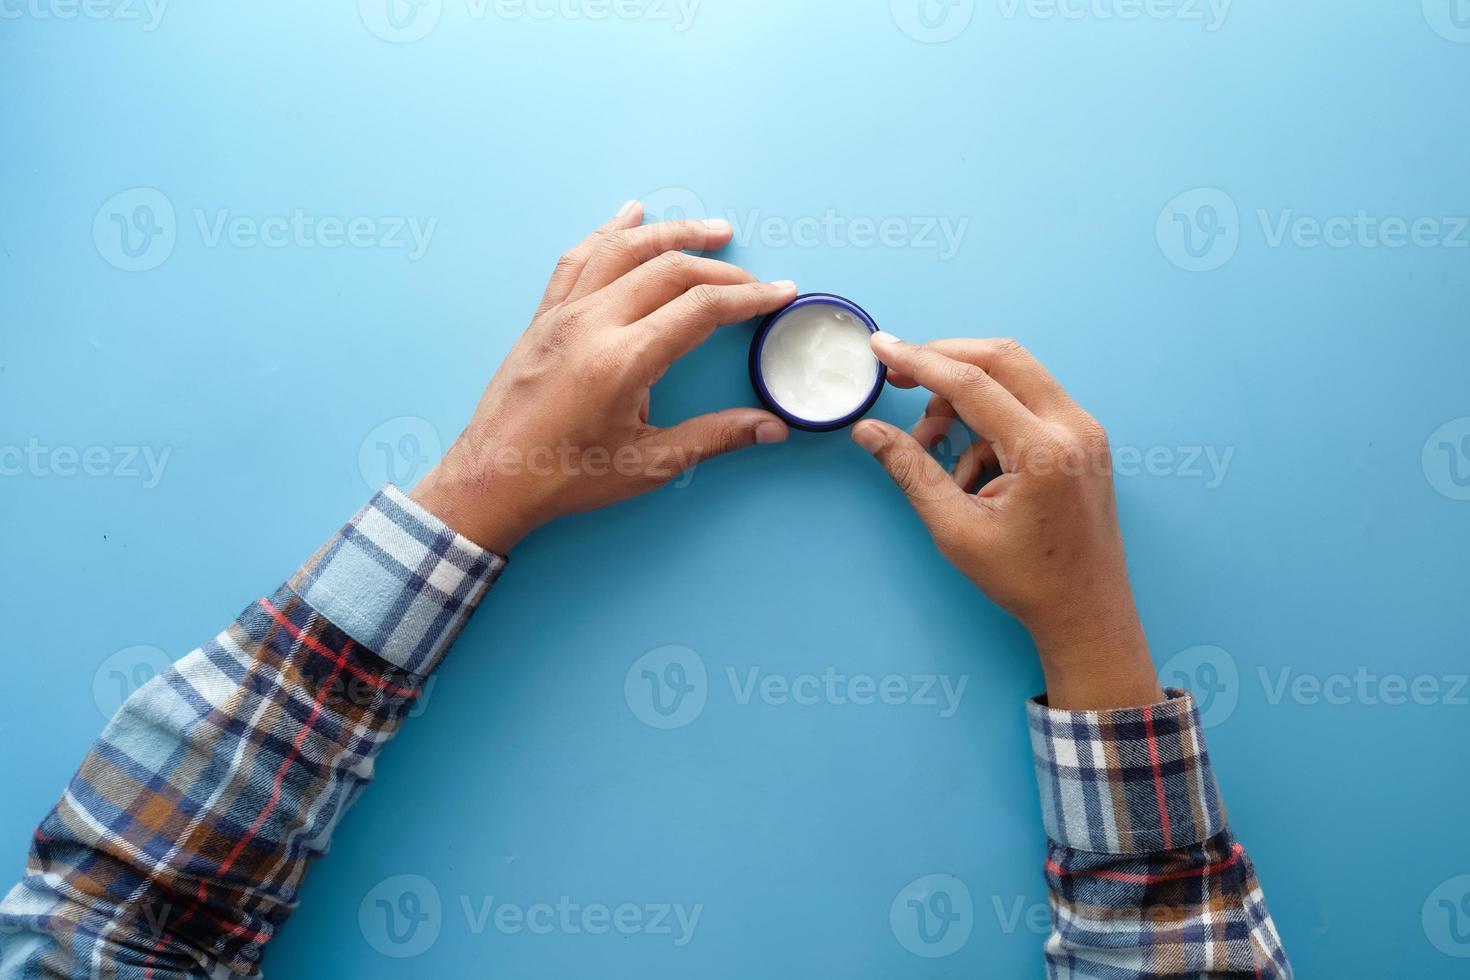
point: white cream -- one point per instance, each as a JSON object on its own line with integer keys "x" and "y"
{"x": 817, "y": 363}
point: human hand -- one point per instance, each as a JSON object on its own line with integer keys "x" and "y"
{"x": 563, "y": 426}
{"x": 1041, "y": 538}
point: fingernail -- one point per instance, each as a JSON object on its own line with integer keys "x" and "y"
{"x": 884, "y": 337}
{"x": 769, "y": 432}
{"x": 716, "y": 224}
{"x": 870, "y": 437}
{"x": 626, "y": 209}
{"x": 784, "y": 284}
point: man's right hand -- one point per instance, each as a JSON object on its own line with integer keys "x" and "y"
{"x": 1041, "y": 538}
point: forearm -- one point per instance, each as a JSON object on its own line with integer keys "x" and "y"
{"x": 1145, "y": 877}
{"x": 179, "y": 847}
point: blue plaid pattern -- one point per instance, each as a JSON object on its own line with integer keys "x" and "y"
{"x": 1146, "y": 880}
{"x": 398, "y": 581}
{"x": 179, "y": 848}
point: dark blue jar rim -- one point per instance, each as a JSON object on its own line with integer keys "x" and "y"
{"x": 758, "y": 382}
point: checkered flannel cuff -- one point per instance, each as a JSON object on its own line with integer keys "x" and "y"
{"x": 1126, "y": 781}
{"x": 399, "y": 581}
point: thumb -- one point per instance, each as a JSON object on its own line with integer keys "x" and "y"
{"x": 929, "y": 488}
{"x": 707, "y": 436}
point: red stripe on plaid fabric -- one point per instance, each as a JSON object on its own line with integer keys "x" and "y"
{"x": 269, "y": 808}
{"x": 1153, "y": 758}
{"x": 1138, "y": 879}
{"x": 329, "y": 653}
{"x": 265, "y": 811}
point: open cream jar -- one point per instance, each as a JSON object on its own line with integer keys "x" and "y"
{"x": 812, "y": 364}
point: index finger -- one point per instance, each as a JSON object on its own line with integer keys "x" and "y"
{"x": 981, "y": 401}
{"x": 673, "y": 331}
{"x": 619, "y": 252}
{"x": 1013, "y": 366}
{"x": 569, "y": 267}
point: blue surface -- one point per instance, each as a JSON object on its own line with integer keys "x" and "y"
{"x": 1335, "y": 542}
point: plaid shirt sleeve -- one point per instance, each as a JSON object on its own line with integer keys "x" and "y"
{"x": 179, "y": 847}
{"x": 1146, "y": 880}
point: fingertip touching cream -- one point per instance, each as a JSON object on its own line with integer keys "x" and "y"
{"x": 811, "y": 363}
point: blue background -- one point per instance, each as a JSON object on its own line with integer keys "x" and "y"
{"x": 267, "y": 373}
